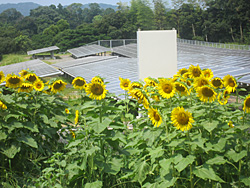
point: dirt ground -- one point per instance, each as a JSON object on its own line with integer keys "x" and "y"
{"x": 61, "y": 58}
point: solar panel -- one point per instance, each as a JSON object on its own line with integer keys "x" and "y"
{"x": 129, "y": 50}
{"x": 86, "y": 60}
{"x": 110, "y": 69}
{"x": 88, "y": 50}
{"x": 42, "y": 50}
{"x": 40, "y": 68}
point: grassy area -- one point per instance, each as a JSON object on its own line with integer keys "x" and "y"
{"x": 13, "y": 58}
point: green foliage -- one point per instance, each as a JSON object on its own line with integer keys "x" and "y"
{"x": 28, "y": 129}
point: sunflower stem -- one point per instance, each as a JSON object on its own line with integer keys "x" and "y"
{"x": 210, "y": 112}
{"x": 244, "y": 114}
{"x": 191, "y": 169}
{"x": 237, "y": 96}
{"x": 100, "y": 111}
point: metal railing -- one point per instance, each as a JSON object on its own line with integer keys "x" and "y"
{"x": 114, "y": 43}
{"x": 123, "y": 42}
{"x": 214, "y": 45}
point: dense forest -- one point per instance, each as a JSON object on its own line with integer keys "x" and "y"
{"x": 71, "y": 26}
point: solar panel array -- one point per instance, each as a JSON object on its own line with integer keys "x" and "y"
{"x": 110, "y": 69}
{"x": 40, "y": 68}
{"x": 129, "y": 50}
{"x": 220, "y": 61}
{"x": 80, "y": 61}
{"x": 42, "y": 50}
{"x": 88, "y": 50}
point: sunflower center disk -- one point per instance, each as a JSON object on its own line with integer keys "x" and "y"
{"x": 156, "y": 116}
{"x": 180, "y": 88}
{"x": 80, "y": 82}
{"x": 167, "y": 88}
{"x": 182, "y": 118}
{"x": 216, "y": 83}
{"x": 57, "y": 86}
{"x": 196, "y": 72}
{"x": 231, "y": 83}
{"x": 38, "y": 85}
{"x": 207, "y": 92}
{"x": 14, "y": 80}
{"x": 248, "y": 103}
{"x": 97, "y": 89}
{"x": 32, "y": 79}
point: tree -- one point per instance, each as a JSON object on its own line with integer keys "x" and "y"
{"x": 62, "y": 25}
{"x": 51, "y": 30}
{"x": 10, "y": 16}
{"x": 159, "y": 13}
{"x": 141, "y": 14}
{"x": 23, "y": 43}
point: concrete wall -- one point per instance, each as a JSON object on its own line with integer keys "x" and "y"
{"x": 157, "y": 53}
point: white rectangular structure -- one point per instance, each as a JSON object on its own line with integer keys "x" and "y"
{"x": 157, "y": 53}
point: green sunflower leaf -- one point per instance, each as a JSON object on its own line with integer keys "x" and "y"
{"x": 96, "y": 184}
{"x": 218, "y": 160}
{"x": 236, "y": 156}
{"x": 185, "y": 162}
{"x": 26, "y": 139}
{"x": 210, "y": 126}
{"x": 3, "y": 135}
{"x": 206, "y": 172}
{"x": 142, "y": 171}
{"x": 11, "y": 151}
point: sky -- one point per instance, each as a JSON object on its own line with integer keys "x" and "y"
{"x": 63, "y": 2}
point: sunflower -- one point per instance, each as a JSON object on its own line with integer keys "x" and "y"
{"x": 31, "y": 77}
{"x": 230, "y": 83}
{"x": 137, "y": 94}
{"x": 25, "y": 87}
{"x": 150, "y": 82}
{"x": 195, "y": 71}
{"x": 155, "y": 117}
{"x": 182, "y": 119}
{"x": 246, "y": 106}
{"x": 3, "y": 106}
{"x": 230, "y": 124}
{"x": 187, "y": 75}
{"x": 181, "y": 88}
{"x": 13, "y": 81}
{"x": 135, "y": 85}
{"x": 2, "y": 77}
{"x": 72, "y": 134}
{"x": 217, "y": 82}
{"x": 23, "y": 73}
{"x": 58, "y": 86}
{"x": 200, "y": 81}
{"x": 79, "y": 83}
{"x": 124, "y": 83}
{"x": 145, "y": 103}
{"x": 76, "y": 117}
{"x": 96, "y": 90}
{"x": 208, "y": 73}
{"x": 182, "y": 71}
{"x": 223, "y": 97}
{"x": 66, "y": 110}
{"x": 97, "y": 79}
{"x": 38, "y": 85}
{"x": 166, "y": 88}
{"x": 206, "y": 93}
